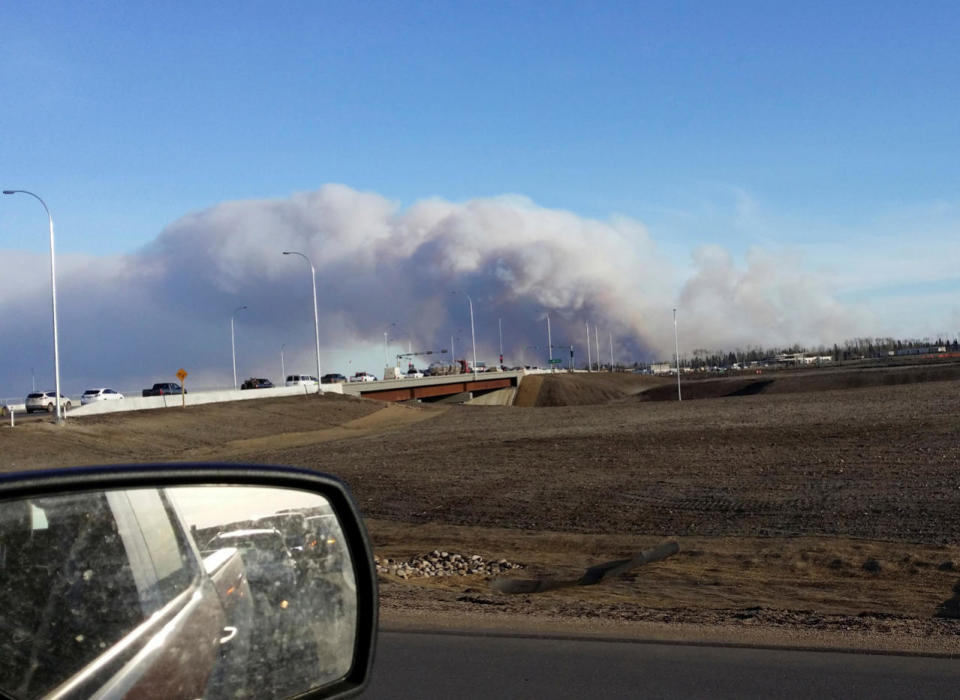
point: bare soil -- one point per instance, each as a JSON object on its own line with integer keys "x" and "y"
{"x": 825, "y": 503}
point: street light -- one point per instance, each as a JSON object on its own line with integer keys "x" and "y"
{"x": 316, "y": 316}
{"x": 589, "y": 358}
{"x": 283, "y": 367}
{"x": 500, "y": 326}
{"x": 386, "y": 341}
{"x": 473, "y": 335}
{"x": 596, "y": 344}
{"x": 676, "y": 340}
{"x": 53, "y": 294}
{"x": 549, "y": 346}
{"x": 233, "y": 345}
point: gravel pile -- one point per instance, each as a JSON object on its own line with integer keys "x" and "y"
{"x": 437, "y": 563}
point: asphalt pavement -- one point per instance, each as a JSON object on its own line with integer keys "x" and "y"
{"x": 432, "y": 665}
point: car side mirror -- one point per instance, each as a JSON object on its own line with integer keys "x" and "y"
{"x": 150, "y": 581}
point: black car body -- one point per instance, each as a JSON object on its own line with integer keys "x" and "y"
{"x": 163, "y": 388}
{"x": 257, "y": 383}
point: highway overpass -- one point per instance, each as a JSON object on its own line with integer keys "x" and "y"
{"x": 462, "y": 386}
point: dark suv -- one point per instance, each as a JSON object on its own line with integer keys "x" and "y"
{"x": 332, "y": 379}
{"x": 164, "y": 388}
{"x": 255, "y": 383}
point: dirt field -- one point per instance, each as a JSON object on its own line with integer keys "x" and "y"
{"x": 821, "y": 504}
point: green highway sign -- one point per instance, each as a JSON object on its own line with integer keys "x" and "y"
{"x": 555, "y": 361}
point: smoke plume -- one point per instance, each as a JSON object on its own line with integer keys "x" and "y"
{"x": 130, "y": 320}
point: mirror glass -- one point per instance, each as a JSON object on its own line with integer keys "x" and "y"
{"x": 186, "y": 592}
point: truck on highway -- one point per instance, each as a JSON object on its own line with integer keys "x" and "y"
{"x": 162, "y": 388}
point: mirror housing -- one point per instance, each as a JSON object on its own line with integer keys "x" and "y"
{"x": 46, "y": 487}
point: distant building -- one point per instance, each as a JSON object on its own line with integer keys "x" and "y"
{"x": 802, "y": 358}
{"x": 662, "y": 368}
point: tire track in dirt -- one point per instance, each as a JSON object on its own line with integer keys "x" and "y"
{"x": 388, "y": 418}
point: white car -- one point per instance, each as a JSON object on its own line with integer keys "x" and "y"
{"x": 102, "y": 394}
{"x": 363, "y": 377}
{"x": 414, "y": 374}
{"x": 45, "y": 401}
{"x": 301, "y": 380}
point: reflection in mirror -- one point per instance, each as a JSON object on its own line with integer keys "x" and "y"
{"x": 200, "y": 591}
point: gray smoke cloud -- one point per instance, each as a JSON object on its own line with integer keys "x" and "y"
{"x": 133, "y": 319}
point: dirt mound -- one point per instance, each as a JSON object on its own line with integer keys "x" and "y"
{"x": 528, "y": 391}
{"x": 790, "y": 382}
{"x": 210, "y": 431}
{"x": 581, "y": 389}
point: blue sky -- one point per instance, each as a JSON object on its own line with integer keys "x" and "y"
{"x": 825, "y": 130}
{"x": 127, "y": 115}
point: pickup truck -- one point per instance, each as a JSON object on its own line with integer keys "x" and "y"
{"x": 164, "y": 388}
{"x": 110, "y": 589}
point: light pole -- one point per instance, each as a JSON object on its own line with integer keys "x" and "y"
{"x": 549, "y": 346}
{"x": 386, "y": 335}
{"x": 589, "y": 359}
{"x": 316, "y": 315}
{"x": 500, "y": 326}
{"x": 53, "y": 294}
{"x": 611, "y": 350}
{"x": 676, "y": 340}
{"x": 473, "y": 335}
{"x": 233, "y": 345}
{"x": 596, "y": 344}
{"x": 283, "y": 367}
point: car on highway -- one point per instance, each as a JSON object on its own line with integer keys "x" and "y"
{"x": 363, "y": 377}
{"x": 414, "y": 373}
{"x": 292, "y": 525}
{"x": 271, "y": 569}
{"x": 300, "y": 380}
{"x": 322, "y": 545}
{"x": 332, "y": 379}
{"x": 45, "y": 401}
{"x": 257, "y": 383}
{"x": 164, "y": 388}
{"x": 102, "y": 394}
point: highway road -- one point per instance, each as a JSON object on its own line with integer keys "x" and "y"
{"x": 442, "y": 665}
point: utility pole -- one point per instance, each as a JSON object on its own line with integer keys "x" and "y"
{"x": 596, "y": 344}
{"x": 500, "y": 326}
{"x": 611, "y": 351}
{"x": 61, "y": 418}
{"x": 589, "y": 359}
{"x": 233, "y": 344}
{"x": 549, "y": 346}
{"x": 676, "y": 340}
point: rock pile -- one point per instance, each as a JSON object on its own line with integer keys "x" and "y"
{"x": 437, "y": 563}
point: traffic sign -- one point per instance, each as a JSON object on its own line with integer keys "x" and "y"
{"x": 555, "y": 360}
{"x": 181, "y": 375}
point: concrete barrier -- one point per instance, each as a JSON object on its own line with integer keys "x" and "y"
{"x": 196, "y": 398}
{"x": 499, "y": 397}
